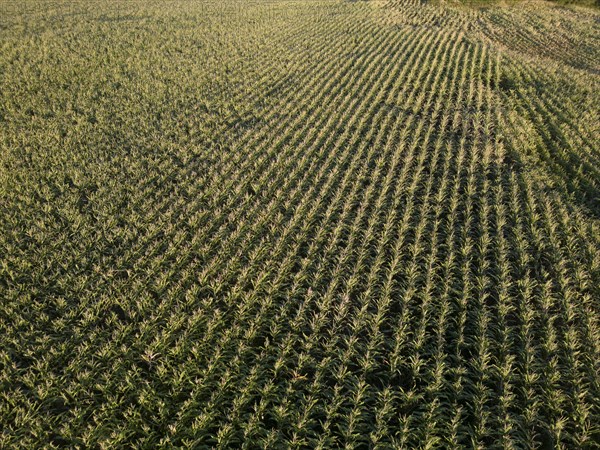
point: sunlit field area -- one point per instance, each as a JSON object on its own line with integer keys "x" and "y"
{"x": 366, "y": 224}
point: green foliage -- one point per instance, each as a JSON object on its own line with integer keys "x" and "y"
{"x": 504, "y": 3}
{"x": 308, "y": 224}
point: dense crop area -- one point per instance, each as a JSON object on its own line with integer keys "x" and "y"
{"x": 299, "y": 223}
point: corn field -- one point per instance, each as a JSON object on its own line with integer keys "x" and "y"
{"x": 365, "y": 224}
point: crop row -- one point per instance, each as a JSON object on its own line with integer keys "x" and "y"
{"x": 297, "y": 224}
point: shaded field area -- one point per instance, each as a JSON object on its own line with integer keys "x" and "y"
{"x": 299, "y": 224}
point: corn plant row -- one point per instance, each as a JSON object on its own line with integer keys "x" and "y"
{"x": 309, "y": 224}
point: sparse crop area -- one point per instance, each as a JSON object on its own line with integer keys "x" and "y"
{"x": 299, "y": 224}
